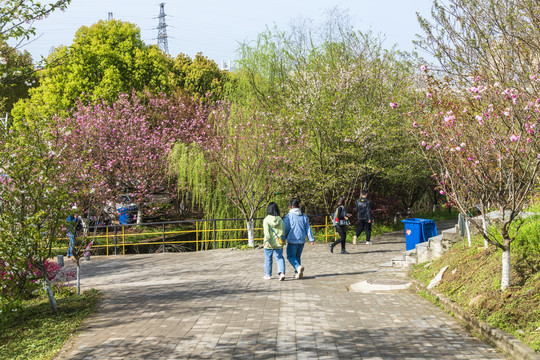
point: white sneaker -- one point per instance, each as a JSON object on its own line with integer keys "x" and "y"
{"x": 281, "y": 277}
{"x": 300, "y": 272}
{"x": 368, "y": 242}
{"x": 266, "y": 277}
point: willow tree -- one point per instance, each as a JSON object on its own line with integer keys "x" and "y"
{"x": 242, "y": 165}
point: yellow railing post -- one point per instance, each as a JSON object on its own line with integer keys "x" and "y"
{"x": 123, "y": 241}
{"x": 107, "y": 237}
{"x": 205, "y": 237}
{"x": 214, "y": 234}
{"x": 196, "y": 236}
{"x": 326, "y": 229}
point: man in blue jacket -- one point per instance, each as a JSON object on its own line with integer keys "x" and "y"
{"x": 296, "y": 229}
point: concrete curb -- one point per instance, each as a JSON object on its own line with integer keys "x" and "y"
{"x": 504, "y": 341}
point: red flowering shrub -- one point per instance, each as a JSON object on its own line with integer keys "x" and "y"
{"x": 23, "y": 283}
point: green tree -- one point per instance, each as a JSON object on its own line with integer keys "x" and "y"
{"x": 16, "y": 25}
{"x": 200, "y": 77}
{"x": 17, "y": 17}
{"x": 336, "y": 86}
{"x": 243, "y": 164}
{"x": 17, "y": 76}
{"x": 104, "y": 60}
{"x": 34, "y": 198}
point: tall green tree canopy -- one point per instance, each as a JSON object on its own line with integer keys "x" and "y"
{"x": 17, "y": 19}
{"x": 200, "y": 77}
{"x": 17, "y": 75}
{"x": 104, "y": 60}
{"x": 335, "y": 85}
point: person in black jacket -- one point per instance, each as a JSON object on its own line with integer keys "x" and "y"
{"x": 363, "y": 209}
{"x": 340, "y": 223}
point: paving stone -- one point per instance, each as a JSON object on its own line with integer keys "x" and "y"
{"x": 214, "y": 304}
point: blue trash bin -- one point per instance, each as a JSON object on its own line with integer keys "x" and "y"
{"x": 418, "y": 231}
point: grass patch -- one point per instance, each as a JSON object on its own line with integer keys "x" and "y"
{"x": 438, "y": 215}
{"x": 29, "y": 330}
{"x": 472, "y": 281}
{"x": 429, "y": 297}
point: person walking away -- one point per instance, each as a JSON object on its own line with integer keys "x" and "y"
{"x": 340, "y": 221}
{"x": 363, "y": 210}
{"x": 274, "y": 231}
{"x": 296, "y": 229}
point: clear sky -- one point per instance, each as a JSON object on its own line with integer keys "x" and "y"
{"x": 216, "y": 27}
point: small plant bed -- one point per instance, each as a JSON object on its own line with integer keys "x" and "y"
{"x": 29, "y": 330}
{"x": 472, "y": 281}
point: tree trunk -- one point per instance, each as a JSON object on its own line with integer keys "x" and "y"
{"x": 86, "y": 227}
{"x": 78, "y": 279}
{"x": 251, "y": 232}
{"x": 139, "y": 214}
{"x": 505, "y": 277}
{"x": 484, "y": 228}
{"x": 468, "y": 231}
{"x": 50, "y": 295}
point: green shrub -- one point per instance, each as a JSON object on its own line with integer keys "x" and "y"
{"x": 526, "y": 248}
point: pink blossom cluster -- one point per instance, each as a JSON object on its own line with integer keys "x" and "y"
{"x": 123, "y": 148}
{"x": 250, "y": 149}
{"x": 478, "y": 135}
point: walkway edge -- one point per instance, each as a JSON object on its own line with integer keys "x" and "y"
{"x": 504, "y": 341}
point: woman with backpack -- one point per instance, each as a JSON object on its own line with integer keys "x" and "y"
{"x": 340, "y": 223}
{"x": 273, "y": 242}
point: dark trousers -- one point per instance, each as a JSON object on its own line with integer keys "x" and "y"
{"x": 342, "y": 236}
{"x": 364, "y": 225}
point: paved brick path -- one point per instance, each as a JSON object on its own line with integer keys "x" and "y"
{"x": 215, "y": 305}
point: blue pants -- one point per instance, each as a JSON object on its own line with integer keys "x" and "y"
{"x": 278, "y": 253}
{"x": 294, "y": 252}
{"x": 71, "y": 237}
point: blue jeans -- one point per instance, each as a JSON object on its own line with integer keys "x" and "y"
{"x": 278, "y": 253}
{"x": 71, "y": 237}
{"x": 294, "y": 251}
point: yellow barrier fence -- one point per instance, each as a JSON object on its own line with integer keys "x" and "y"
{"x": 181, "y": 236}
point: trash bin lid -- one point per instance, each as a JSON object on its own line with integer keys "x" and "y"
{"x": 417, "y": 220}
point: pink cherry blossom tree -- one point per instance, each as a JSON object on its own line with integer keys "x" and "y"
{"x": 244, "y": 163}
{"x": 123, "y": 148}
{"x": 484, "y": 151}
